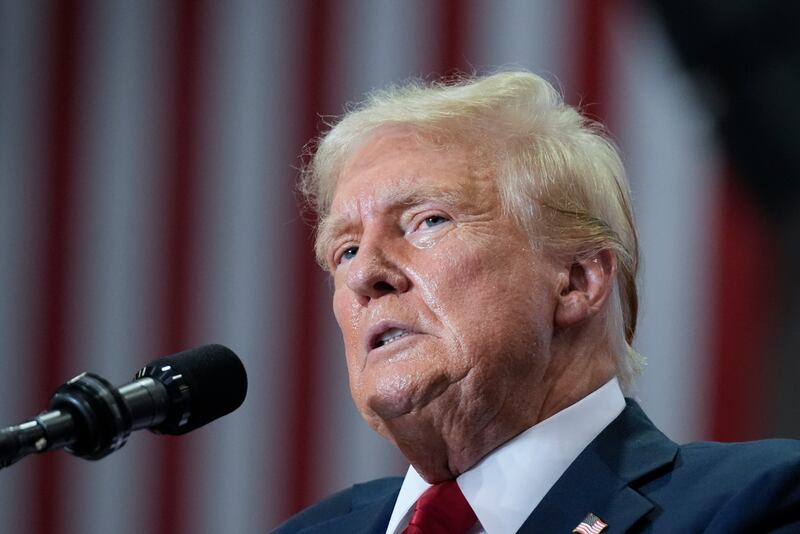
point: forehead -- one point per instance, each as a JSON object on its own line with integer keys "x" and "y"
{"x": 398, "y": 167}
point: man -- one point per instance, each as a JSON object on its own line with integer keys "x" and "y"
{"x": 481, "y": 241}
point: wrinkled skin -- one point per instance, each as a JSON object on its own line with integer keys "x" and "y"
{"x": 491, "y": 330}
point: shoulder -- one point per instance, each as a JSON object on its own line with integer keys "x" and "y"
{"x": 368, "y": 494}
{"x": 766, "y": 452}
{"x": 739, "y": 463}
{"x": 750, "y": 484}
{"x": 704, "y": 486}
{"x": 633, "y": 437}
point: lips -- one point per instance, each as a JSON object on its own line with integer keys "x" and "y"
{"x": 386, "y": 332}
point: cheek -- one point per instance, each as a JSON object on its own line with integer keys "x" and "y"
{"x": 346, "y": 312}
{"x": 490, "y": 296}
{"x": 465, "y": 276}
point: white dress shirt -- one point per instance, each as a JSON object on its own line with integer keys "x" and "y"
{"x": 505, "y": 487}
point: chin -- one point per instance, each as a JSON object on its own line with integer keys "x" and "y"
{"x": 398, "y": 394}
{"x": 391, "y": 400}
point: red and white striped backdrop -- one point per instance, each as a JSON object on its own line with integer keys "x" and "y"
{"x": 147, "y": 164}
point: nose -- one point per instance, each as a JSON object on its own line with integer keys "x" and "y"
{"x": 373, "y": 274}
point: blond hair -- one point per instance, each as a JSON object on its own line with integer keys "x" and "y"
{"x": 558, "y": 173}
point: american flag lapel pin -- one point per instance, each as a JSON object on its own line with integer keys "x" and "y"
{"x": 591, "y": 524}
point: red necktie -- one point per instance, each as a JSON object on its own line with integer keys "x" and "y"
{"x": 442, "y": 509}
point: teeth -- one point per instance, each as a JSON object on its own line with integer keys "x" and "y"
{"x": 391, "y": 335}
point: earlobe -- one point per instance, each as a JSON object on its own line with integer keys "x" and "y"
{"x": 590, "y": 282}
{"x": 572, "y": 308}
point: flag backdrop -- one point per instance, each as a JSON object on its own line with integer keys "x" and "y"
{"x": 148, "y": 155}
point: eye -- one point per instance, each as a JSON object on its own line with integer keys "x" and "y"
{"x": 433, "y": 220}
{"x": 347, "y": 254}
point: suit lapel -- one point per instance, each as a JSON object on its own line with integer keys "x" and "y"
{"x": 602, "y": 479}
{"x": 369, "y": 514}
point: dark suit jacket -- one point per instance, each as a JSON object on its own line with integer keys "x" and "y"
{"x": 632, "y": 477}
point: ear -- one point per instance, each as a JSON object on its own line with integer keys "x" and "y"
{"x": 586, "y": 288}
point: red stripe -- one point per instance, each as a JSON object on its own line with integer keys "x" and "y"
{"x": 303, "y": 439}
{"x": 182, "y": 122}
{"x": 743, "y": 279}
{"x": 49, "y": 330}
{"x": 452, "y": 33}
{"x": 593, "y": 57}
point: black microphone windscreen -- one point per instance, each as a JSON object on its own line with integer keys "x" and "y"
{"x": 216, "y": 379}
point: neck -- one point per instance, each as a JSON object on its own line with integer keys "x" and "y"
{"x": 442, "y": 444}
{"x": 442, "y": 449}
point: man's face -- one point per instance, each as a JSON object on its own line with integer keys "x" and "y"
{"x": 445, "y": 310}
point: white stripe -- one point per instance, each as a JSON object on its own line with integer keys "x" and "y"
{"x": 665, "y": 135}
{"x": 117, "y": 178}
{"x": 241, "y": 290}
{"x": 523, "y": 33}
{"x": 22, "y": 34}
{"x": 380, "y": 42}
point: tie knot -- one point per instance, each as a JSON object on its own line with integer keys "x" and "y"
{"x": 442, "y": 509}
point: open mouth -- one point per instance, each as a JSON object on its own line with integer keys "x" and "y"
{"x": 386, "y": 332}
{"x": 389, "y": 336}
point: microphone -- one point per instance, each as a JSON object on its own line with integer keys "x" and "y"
{"x": 174, "y": 395}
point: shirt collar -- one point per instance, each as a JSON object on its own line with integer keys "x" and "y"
{"x": 505, "y": 487}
